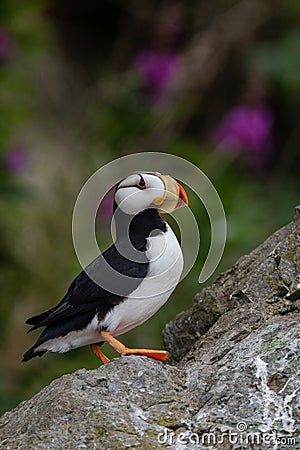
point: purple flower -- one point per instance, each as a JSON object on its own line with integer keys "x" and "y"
{"x": 246, "y": 129}
{"x": 105, "y": 211}
{"x": 16, "y": 159}
{"x": 7, "y": 47}
{"x": 158, "y": 71}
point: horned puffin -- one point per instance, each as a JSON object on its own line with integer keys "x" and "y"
{"x": 90, "y": 314}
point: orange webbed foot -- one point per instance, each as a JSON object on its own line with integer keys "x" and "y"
{"x": 120, "y": 348}
{"x": 96, "y": 349}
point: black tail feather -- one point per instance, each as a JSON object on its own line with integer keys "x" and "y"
{"x": 31, "y": 353}
{"x": 59, "y": 329}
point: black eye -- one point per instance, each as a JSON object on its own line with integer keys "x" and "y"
{"x": 142, "y": 184}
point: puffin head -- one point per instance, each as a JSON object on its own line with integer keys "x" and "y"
{"x": 140, "y": 191}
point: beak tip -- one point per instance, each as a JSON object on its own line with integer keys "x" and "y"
{"x": 175, "y": 196}
{"x": 182, "y": 197}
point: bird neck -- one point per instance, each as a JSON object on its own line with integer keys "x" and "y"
{"x": 140, "y": 226}
{"x": 145, "y": 222}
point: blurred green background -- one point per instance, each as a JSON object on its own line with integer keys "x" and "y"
{"x": 82, "y": 83}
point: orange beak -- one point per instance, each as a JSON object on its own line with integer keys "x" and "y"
{"x": 182, "y": 197}
{"x": 174, "y": 196}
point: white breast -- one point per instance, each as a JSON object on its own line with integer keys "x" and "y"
{"x": 165, "y": 267}
{"x": 166, "y": 263}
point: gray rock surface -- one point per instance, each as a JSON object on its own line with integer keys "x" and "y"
{"x": 234, "y": 384}
{"x": 269, "y": 277}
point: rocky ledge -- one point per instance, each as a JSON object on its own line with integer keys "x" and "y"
{"x": 233, "y": 384}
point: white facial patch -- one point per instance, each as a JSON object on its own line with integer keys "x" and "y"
{"x": 131, "y": 199}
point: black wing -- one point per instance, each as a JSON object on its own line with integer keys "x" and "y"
{"x": 84, "y": 299}
{"x": 84, "y": 295}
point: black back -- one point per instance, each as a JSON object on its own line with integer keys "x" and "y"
{"x": 85, "y": 298}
